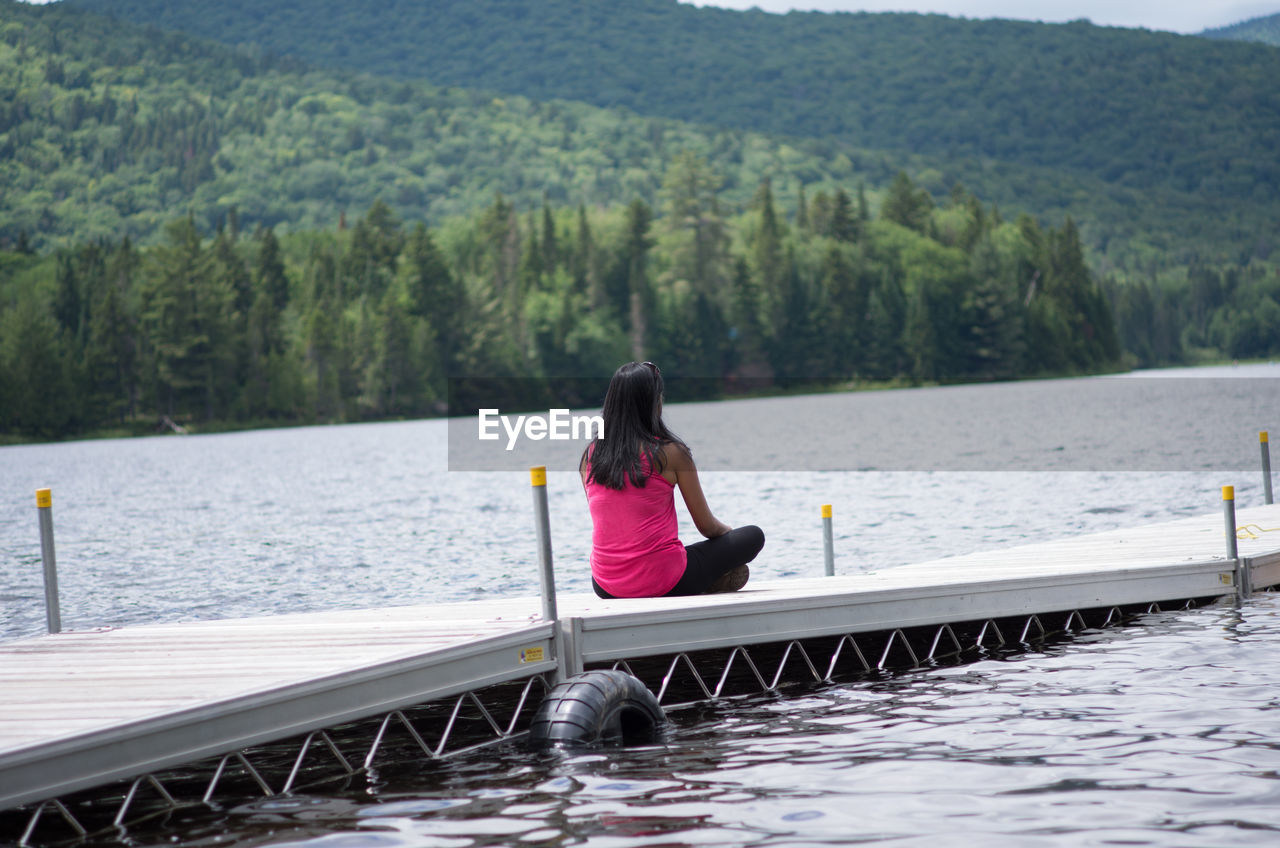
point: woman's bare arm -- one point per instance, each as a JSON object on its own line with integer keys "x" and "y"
{"x": 680, "y": 465}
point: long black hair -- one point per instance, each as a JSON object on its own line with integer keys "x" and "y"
{"x": 633, "y": 428}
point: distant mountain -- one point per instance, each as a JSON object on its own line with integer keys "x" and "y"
{"x": 1134, "y": 108}
{"x": 1265, "y": 30}
{"x": 109, "y": 128}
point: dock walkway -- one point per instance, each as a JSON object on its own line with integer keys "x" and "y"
{"x": 82, "y": 709}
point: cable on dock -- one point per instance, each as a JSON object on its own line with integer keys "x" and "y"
{"x": 1253, "y": 531}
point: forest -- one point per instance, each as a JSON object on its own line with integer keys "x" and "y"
{"x": 371, "y": 320}
{"x": 110, "y": 129}
{"x": 1146, "y": 138}
{"x": 227, "y": 238}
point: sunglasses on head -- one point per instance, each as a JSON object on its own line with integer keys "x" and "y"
{"x": 655, "y": 368}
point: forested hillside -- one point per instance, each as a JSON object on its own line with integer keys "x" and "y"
{"x": 1265, "y": 30}
{"x": 1186, "y": 126}
{"x": 110, "y": 129}
{"x": 208, "y": 233}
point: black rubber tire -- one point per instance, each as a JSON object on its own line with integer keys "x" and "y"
{"x": 597, "y": 707}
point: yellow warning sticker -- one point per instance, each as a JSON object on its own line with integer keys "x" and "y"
{"x": 528, "y": 655}
{"x": 1225, "y": 578}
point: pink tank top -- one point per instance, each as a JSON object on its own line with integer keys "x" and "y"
{"x": 635, "y": 546}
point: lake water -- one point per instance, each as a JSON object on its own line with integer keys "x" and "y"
{"x": 1160, "y": 734}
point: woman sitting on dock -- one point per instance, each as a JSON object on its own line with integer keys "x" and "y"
{"x": 630, "y": 476}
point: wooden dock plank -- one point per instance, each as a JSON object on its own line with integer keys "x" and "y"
{"x": 74, "y": 671}
{"x": 168, "y": 703}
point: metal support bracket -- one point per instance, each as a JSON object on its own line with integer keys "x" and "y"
{"x": 133, "y": 791}
{"x": 61, "y": 809}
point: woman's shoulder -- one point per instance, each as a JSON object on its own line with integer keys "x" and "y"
{"x": 675, "y": 456}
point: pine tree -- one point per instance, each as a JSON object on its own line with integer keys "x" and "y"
{"x": 585, "y": 263}
{"x": 376, "y": 242}
{"x": 795, "y": 344}
{"x": 767, "y": 251}
{"x": 67, "y": 299}
{"x": 261, "y": 342}
{"x": 550, "y": 246}
{"x": 324, "y": 356}
{"x": 843, "y": 314}
{"x": 745, "y": 326}
{"x": 387, "y": 384}
{"x": 112, "y": 353}
{"x": 694, "y": 230}
{"x": 844, "y": 225}
{"x": 38, "y": 396}
{"x": 991, "y": 330}
{"x": 233, "y": 271}
{"x": 169, "y": 318}
{"x": 436, "y": 296}
{"x": 531, "y": 269}
{"x": 881, "y": 342}
{"x": 820, "y": 213}
{"x": 1090, "y": 335}
{"x": 640, "y": 301}
{"x": 188, "y": 320}
{"x": 993, "y": 335}
{"x": 906, "y": 205}
{"x": 921, "y": 336}
{"x": 269, "y": 270}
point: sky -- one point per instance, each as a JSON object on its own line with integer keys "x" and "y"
{"x": 1186, "y": 16}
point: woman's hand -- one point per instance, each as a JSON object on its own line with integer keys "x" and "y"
{"x": 720, "y": 529}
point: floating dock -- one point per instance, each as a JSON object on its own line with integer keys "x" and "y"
{"x": 105, "y": 707}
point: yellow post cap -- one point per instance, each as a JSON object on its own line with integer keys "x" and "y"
{"x": 826, "y": 510}
{"x": 44, "y": 497}
{"x": 538, "y": 475}
{"x": 1262, "y": 436}
{"x": 1228, "y": 493}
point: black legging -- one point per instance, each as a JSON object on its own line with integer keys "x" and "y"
{"x": 711, "y": 559}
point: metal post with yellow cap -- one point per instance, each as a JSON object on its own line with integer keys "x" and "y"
{"x": 1229, "y": 518}
{"x": 44, "y": 507}
{"x": 1266, "y": 465}
{"x": 828, "y": 544}
{"x": 542, "y": 520}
